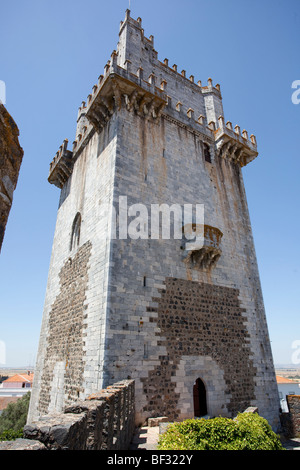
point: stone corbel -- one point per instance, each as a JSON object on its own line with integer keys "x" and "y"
{"x": 204, "y": 251}
{"x": 117, "y": 94}
{"x": 61, "y": 166}
{"x": 132, "y": 100}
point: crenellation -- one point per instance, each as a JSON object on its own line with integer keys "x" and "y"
{"x": 212, "y": 125}
{"x": 127, "y": 65}
{"x": 100, "y": 79}
{"x": 152, "y": 79}
{"x": 140, "y": 73}
{"x": 106, "y": 67}
{"x": 163, "y": 85}
{"x": 221, "y": 122}
{"x": 61, "y": 166}
{"x": 201, "y": 120}
{"x": 190, "y": 113}
{"x": 178, "y": 106}
{"x": 245, "y": 134}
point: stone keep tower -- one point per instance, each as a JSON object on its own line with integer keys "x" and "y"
{"x": 184, "y": 319}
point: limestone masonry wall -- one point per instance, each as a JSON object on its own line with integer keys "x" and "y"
{"x": 72, "y": 344}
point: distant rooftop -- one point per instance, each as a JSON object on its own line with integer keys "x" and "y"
{"x": 285, "y": 380}
{"x": 20, "y": 378}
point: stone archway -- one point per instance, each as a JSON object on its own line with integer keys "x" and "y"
{"x": 188, "y": 370}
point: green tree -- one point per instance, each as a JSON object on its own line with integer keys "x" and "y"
{"x": 15, "y": 415}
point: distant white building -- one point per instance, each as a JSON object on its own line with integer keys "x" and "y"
{"x": 14, "y": 388}
{"x": 17, "y": 385}
{"x": 286, "y": 387}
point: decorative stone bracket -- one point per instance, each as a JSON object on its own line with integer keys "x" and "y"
{"x": 61, "y": 166}
{"x": 233, "y": 145}
{"x": 204, "y": 251}
{"x": 120, "y": 87}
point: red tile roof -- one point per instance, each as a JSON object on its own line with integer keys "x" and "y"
{"x": 284, "y": 380}
{"x": 20, "y": 378}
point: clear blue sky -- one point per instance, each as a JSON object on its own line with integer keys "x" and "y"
{"x": 52, "y": 53}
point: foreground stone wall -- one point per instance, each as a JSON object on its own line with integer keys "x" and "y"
{"x": 291, "y": 421}
{"x": 104, "y": 421}
{"x": 11, "y": 155}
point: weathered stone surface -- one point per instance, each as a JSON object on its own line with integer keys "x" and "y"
{"x": 153, "y": 422}
{"x": 104, "y": 421}
{"x": 251, "y": 409}
{"x": 11, "y": 155}
{"x": 59, "y": 431}
{"x": 200, "y": 320}
{"x": 22, "y": 444}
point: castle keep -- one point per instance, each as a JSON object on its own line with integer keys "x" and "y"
{"x": 183, "y": 317}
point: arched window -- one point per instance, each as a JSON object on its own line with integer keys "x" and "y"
{"x": 206, "y": 151}
{"x": 75, "y": 236}
{"x": 199, "y": 395}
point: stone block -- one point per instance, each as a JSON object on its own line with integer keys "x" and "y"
{"x": 152, "y": 422}
{"x": 22, "y": 444}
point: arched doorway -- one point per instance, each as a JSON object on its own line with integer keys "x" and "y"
{"x": 199, "y": 395}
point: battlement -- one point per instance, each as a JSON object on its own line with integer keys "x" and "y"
{"x": 134, "y": 77}
{"x": 150, "y": 78}
{"x": 234, "y": 145}
{"x": 204, "y": 251}
{"x": 119, "y": 84}
{"x": 137, "y": 91}
{"x": 149, "y": 44}
{"x": 61, "y": 166}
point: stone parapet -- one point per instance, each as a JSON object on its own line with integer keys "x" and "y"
{"x": 61, "y": 166}
{"x": 234, "y": 145}
{"x": 104, "y": 421}
{"x": 290, "y": 421}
